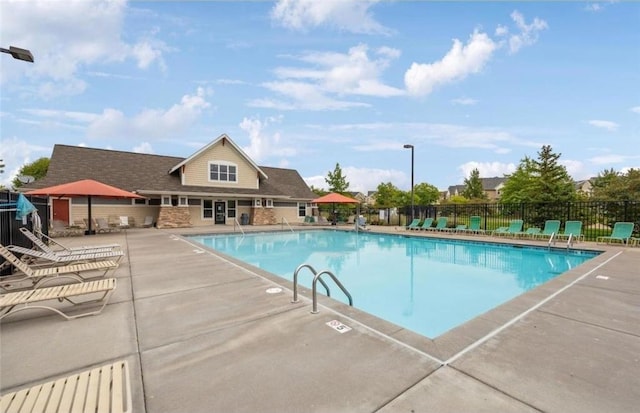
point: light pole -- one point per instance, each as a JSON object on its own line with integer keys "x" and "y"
{"x": 18, "y": 53}
{"x": 409, "y": 146}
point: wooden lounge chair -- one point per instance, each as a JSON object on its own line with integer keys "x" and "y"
{"x": 102, "y": 389}
{"x": 54, "y": 258}
{"x": 12, "y": 302}
{"x": 64, "y": 250}
{"x": 39, "y": 276}
{"x": 621, "y": 233}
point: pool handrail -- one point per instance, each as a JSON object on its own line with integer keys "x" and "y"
{"x": 295, "y": 281}
{"x": 314, "y": 289}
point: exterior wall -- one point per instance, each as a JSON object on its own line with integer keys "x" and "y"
{"x": 196, "y": 172}
{"x": 111, "y": 213}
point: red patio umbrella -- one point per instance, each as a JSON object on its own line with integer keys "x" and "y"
{"x": 335, "y": 198}
{"x": 85, "y": 187}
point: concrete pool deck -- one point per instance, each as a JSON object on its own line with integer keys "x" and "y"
{"x": 202, "y": 334}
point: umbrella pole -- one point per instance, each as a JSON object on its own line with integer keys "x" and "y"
{"x": 89, "y": 231}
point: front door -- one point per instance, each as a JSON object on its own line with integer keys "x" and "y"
{"x": 219, "y": 208}
{"x": 61, "y": 210}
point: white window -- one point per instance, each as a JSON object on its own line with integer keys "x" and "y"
{"x": 220, "y": 171}
{"x": 166, "y": 200}
{"x": 183, "y": 201}
{"x": 269, "y": 203}
{"x": 257, "y": 202}
{"x": 302, "y": 209}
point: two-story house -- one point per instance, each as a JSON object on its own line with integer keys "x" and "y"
{"x": 218, "y": 184}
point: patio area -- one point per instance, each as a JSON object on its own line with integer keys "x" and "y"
{"x": 202, "y": 334}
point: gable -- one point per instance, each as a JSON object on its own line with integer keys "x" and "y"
{"x": 196, "y": 171}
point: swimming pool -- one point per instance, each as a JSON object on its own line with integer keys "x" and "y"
{"x": 424, "y": 284}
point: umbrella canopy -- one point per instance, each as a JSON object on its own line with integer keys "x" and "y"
{"x": 85, "y": 187}
{"x": 335, "y": 198}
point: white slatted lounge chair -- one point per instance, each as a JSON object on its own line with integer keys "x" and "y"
{"x": 54, "y": 258}
{"x": 64, "y": 250}
{"x": 148, "y": 222}
{"x": 38, "y": 276}
{"x": 102, "y": 389}
{"x": 12, "y": 302}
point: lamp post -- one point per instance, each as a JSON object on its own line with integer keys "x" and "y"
{"x": 18, "y": 53}
{"x": 409, "y": 146}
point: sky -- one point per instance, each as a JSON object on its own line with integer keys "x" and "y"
{"x": 308, "y": 84}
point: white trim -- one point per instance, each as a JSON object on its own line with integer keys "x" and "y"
{"x": 215, "y": 142}
{"x": 183, "y": 198}
{"x": 269, "y": 203}
{"x": 257, "y": 202}
{"x": 221, "y": 163}
{"x": 164, "y": 198}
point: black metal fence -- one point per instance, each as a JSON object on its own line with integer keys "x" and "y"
{"x": 10, "y": 226}
{"x": 597, "y": 218}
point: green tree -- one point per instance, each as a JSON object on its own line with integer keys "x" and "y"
{"x": 337, "y": 181}
{"x": 539, "y": 180}
{"x": 318, "y": 191}
{"x": 473, "y": 186}
{"x": 387, "y": 195}
{"x": 425, "y": 194}
{"x": 610, "y": 185}
{"x": 37, "y": 169}
{"x": 553, "y": 182}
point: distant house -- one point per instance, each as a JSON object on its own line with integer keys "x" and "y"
{"x": 357, "y": 195}
{"x": 370, "y": 199}
{"x": 584, "y": 187}
{"x": 218, "y": 184}
{"x": 492, "y": 188}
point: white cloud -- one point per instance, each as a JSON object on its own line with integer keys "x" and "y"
{"x": 464, "y": 101}
{"x": 264, "y": 145}
{"x": 364, "y": 179}
{"x": 65, "y": 39}
{"x": 635, "y": 109}
{"x": 144, "y": 147}
{"x": 332, "y": 76}
{"x": 457, "y": 64}
{"x": 486, "y": 169}
{"x": 345, "y": 15}
{"x": 528, "y": 32}
{"x": 151, "y": 124}
{"x": 604, "y": 124}
{"x": 15, "y": 153}
{"x": 608, "y": 159}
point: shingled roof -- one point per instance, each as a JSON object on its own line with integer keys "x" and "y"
{"x": 138, "y": 172}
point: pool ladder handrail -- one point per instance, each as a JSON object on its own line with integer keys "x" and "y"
{"x": 284, "y": 221}
{"x": 235, "y": 221}
{"x": 317, "y": 276}
{"x": 552, "y": 239}
{"x": 570, "y": 241}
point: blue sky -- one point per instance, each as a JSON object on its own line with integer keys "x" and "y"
{"x": 307, "y": 84}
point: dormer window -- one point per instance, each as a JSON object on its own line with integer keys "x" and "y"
{"x": 220, "y": 171}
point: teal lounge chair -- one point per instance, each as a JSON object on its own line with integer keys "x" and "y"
{"x": 413, "y": 223}
{"x": 474, "y": 225}
{"x": 551, "y": 226}
{"x": 514, "y": 228}
{"x": 499, "y": 231}
{"x": 530, "y": 232}
{"x": 621, "y": 232}
{"x": 441, "y": 225}
{"x": 426, "y": 224}
{"x": 572, "y": 229}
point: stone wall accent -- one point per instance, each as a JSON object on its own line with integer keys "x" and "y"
{"x": 174, "y": 217}
{"x": 263, "y": 216}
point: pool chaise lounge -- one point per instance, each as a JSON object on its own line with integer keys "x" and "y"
{"x": 413, "y": 224}
{"x": 551, "y": 227}
{"x": 41, "y": 275}
{"x": 475, "y": 221}
{"x": 54, "y": 258}
{"x": 426, "y": 224}
{"x": 13, "y": 302}
{"x": 514, "y": 228}
{"x": 621, "y": 233}
{"x": 572, "y": 229}
{"x": 441, "y": 225}
{"x": 102, "y": 389}
{"x": 64, "y": 250}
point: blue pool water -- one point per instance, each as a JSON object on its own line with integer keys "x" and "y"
{"x": 426, "y": 285}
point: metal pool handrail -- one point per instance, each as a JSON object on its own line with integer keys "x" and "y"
{"x": 314, "y": 292}
{"x": 295, "y": 281}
